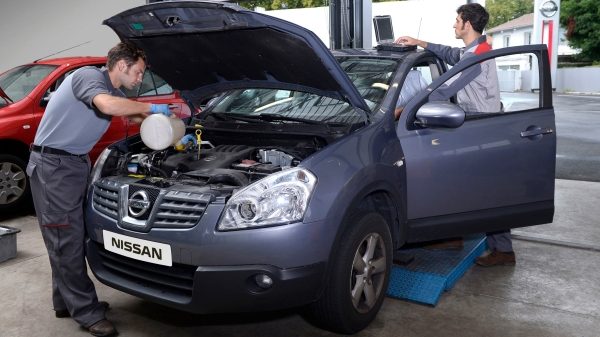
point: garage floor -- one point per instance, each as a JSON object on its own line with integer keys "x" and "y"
{"x": 553, "y": 291}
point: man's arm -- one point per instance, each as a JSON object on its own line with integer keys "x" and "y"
{"x": 448, "y": 54}
{"x": 119, "y": 106}
{"x": 409, "y": 41}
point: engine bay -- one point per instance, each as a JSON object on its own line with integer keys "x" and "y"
{"x": 224, "y": 167}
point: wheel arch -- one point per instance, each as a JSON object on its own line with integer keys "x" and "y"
{"x": 15, "y": 148}
{"x": 377, "y": 197}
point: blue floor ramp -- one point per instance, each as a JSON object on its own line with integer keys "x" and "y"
{"x": 431, "y": 272}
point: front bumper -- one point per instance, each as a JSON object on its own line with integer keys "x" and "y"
{"x": 207, "y": 289}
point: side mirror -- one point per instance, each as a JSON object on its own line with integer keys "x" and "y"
{"x": 440, "y": 114}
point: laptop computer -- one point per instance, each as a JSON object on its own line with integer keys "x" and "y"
{"x": 384, "y": 34}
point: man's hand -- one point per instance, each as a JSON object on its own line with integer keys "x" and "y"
{"x": 397, "y": 112}
{"x": 160, "y": 109}
{"x": 409, "y": 41}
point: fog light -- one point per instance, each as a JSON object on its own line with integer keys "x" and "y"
{"x": 263, "y": 281}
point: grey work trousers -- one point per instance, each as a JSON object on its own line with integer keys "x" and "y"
{"x": 58, "y": 186}
{"x": 500, "y": 241}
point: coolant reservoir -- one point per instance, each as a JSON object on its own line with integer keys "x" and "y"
{"x": 159, "y": 131}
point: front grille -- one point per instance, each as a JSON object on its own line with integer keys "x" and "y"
{"x": 152, "y": 195}
{"x": 167, "y": 209}
{"x": 176, "y": 281}
{"x": 180, "y": 209}
{"x": 106, "y": 198}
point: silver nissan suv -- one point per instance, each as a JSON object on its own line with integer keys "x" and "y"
{"x": 300, "y": 185}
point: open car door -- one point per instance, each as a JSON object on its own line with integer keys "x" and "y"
{"x": 473, "y": 172}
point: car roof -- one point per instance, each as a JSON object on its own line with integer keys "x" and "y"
{"x": 379, "y": 53}
{"x": 72, "y": 60}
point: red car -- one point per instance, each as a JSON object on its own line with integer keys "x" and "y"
{"x": 24, "y": 94}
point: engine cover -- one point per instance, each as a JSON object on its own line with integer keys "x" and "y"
{"x": 221, "y": 156}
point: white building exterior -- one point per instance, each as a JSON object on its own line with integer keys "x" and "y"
{"x": 519, "y": 32}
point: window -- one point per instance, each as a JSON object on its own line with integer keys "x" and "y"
{"x": 506, "y": 41}
{"x": 20, "y": 81}
{"x": 257, "y": 102}
{"x": 58, "y": 82}
{"x": 371, "y": 76}
{"x": 527, "y": 38}
{"x": 514, "y": 87}
{"x": 151, "y": 85}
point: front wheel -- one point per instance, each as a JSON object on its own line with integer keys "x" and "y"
{"x": 358, "y": 278}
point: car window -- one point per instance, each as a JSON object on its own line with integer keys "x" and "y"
{"x": 20, "y": 81}
{"x": 293, "y": 104}
{"x": 518, "y": 83}
{"x": 425, "y": 72}
{"x": 151, "y": 85}
{"x": 371, "y": 76}
{"x": 59, "y": 81}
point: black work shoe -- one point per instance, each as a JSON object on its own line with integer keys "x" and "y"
{"x": 497, "y": 258}
{"x": 65, "y": 313}
{"x": 103, "y": 328}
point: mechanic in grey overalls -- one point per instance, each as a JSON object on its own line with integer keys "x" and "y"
{"x": 477, "y": 90}
{"x": 77, "y": 115}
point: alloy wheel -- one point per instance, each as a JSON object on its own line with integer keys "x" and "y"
{"x": 12, "y": 183}
{"x": 368, "y": 272}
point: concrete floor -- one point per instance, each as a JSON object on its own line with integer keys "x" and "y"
{"x": 553, "y": 291}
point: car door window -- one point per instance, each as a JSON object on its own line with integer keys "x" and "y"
{"x": 517, "y": 81}
{"x": 54, "y": 86}
{"x": 151, "y": 85}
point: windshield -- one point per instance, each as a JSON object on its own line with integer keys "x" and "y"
{"x": 371, "y": 76}
{"x": 20, "y": 81}
{"x": 286, "y": 105}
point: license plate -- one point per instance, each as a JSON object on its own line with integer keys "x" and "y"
{"x": 143, "y": 250}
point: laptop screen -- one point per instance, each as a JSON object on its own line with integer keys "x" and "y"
{"x": 383, "y": 28}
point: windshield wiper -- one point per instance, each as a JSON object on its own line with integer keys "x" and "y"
{"x": 228, "y": 116}
{"x": 5, "y": 96}
{"x": 282, "y": 118}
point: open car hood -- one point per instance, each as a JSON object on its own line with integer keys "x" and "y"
{"x": 205, "y": 47}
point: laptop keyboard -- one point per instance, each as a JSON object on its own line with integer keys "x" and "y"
{"x": 394, "y": 47}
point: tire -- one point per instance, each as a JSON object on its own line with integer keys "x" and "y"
{"x": 14, "y": 184}
{"x": 355, "y": 291}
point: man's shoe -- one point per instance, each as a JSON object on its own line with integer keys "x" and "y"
{"x": 450, "y": 244}
{"x": 497, "y": 258}
{"x": 65, "y": 313}
{"x": 103, "y": 328}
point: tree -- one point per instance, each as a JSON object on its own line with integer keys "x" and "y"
{"x": 502, "y": 11}
{"x": 283, "y": 4}
{"x": 288, "y": 4}
{"x": 580, "y": 18}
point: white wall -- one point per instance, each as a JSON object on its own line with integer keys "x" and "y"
{"x": 435, "y": 25}
{"x": 585, "y": 80}
{"x": 31, "y": 29}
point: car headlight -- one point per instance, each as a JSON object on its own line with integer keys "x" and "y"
{"x": 278, "y": 199}
{"x": 97, "y": 170}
